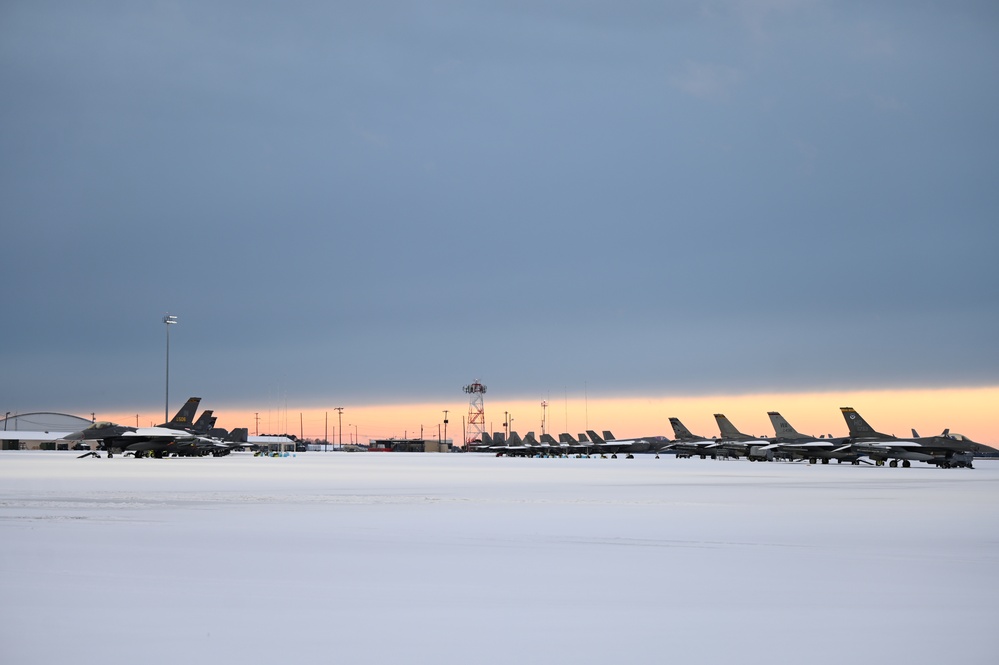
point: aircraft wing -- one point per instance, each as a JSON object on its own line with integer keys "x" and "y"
{"x": 162, "y": 433}
{"x": 808, "y": 444}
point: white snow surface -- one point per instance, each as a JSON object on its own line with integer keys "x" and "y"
{"x": 437, "y": 558}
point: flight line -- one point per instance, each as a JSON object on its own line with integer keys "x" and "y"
{"x": 863, "y": 445}
{"x": 185, "y": 436}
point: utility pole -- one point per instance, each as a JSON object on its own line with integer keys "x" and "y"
{"x": 339, "y": 411}
{"x": 445, "y": 424}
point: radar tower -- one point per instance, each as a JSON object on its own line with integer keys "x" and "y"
{"x": 476, "y": 412}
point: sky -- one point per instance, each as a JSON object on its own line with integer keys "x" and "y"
{"x": 373, "y": 204}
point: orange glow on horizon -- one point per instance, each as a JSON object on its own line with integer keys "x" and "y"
{"x": 969, "y": 411}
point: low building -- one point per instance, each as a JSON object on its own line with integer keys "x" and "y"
{"x": 410, "y": 445}
{"x": 271, "y": 443}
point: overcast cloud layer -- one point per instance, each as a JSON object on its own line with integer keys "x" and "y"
{"x": 377, "y": 200}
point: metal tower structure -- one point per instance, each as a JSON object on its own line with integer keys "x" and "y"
{"x": 476, "y": 412}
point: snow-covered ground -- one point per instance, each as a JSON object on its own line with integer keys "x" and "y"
{"x": 423, "y": 558}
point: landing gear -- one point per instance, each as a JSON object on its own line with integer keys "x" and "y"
{"x": 906, "y": 464}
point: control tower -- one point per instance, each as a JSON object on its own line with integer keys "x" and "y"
{"x": 476, "y": 412}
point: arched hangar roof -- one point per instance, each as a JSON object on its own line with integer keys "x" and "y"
{"x": 43, "y": 421}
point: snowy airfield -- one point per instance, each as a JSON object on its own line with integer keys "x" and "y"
{"x": 424, "y": 558}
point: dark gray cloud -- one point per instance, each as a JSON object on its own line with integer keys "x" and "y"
{"x": 387, "y": 200}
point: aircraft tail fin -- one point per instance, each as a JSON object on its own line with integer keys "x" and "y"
{"x": 727, "y": 429}
{"x": 915, "y": 434}
{"x": 204, "y": 422}
{"x": 486, "y": 439}
{"x": 593, "y": 436}
{"x": 549, "y": 439}
{"x": 515, "y": 439}
{"x": 858, "y": 426}
{"x": 680, "y": 430}
{"x": 185, "y": 416}
{"x": 582, "y": 438}
{"x": 565, "y": 437}
{"x": 608, "y": 436}
{"x": 239, "y": 435}
{"x": 782, "y": 428}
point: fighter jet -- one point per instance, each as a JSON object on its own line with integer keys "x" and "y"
{"x": 608, "y": 444}
{"x": 512, "y": 446}
{"x": 792, "y": 444}
{"x": 688, "y": 444}
{"x": 557, "y": 448}
{"x": 170, "y": 438}
{"x": 736, "y": 444}
{"x": 944, "y": 451}
{"x": 580, "y": 446}
{"x": 537, "y": 448}
{"x": 157, "y": 441}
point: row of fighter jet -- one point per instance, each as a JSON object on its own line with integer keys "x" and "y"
{"x": 181, "y": 436}
{"x": 947, "y": 450}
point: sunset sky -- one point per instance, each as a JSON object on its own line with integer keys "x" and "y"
{"x": 643, "y": 209}
{"x": 967, "y": 411}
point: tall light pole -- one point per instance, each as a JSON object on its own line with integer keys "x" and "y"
{"x": 168, "y": 320}
{"x": 339, "y": 410}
